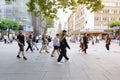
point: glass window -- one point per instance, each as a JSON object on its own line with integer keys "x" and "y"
{"x": 97, "y": 18}
{"x": 106, "y": 11}
{"x": 117, "y": 4}
{"x": 106, "y": 4}
{"x": 111, "y": 4}
{"x": 111, "y": 11}
{"x": 115, "y": 11}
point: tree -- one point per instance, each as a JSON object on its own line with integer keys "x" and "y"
{"x": 8, "y": 24}
{"x": 114, "y": 24}
{"x": 49, "y": 23}
{"x": 50, "y": 7}
{"x": 9, "y": 0}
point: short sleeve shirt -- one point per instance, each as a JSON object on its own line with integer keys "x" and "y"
{"x": 21, "y": 39}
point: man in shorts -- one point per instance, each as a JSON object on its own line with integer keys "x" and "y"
{"x": 21, "y": 44}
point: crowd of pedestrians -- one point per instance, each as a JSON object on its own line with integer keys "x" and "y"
{"x": 7, "y": 38}
{"x": 84, "y": 41}
{"x": 60, "y": 44}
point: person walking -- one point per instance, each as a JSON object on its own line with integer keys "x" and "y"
{"x": 49, "y": 39}
{"x": 81, "y": 43}
{"x": 34, "y": 42}
{"x": 63, "y": 46}
{"x": 44, "y": 43}
{"x": 21, "y": 43}
{"x": 29, "y": 42}
{"x": 56, "y": 45}
{"x": 5, "y": 39}
{"x": 93, "y": 40}
{"x": 108, "y": 40}
{"x": 85, "y": 42}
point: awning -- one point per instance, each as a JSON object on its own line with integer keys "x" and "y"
{"x": 89, "y": 31}
{"x": 116, "y": 28}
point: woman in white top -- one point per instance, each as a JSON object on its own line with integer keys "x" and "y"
{"x": 56, "y": 44}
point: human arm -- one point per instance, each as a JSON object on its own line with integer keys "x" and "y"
{"x": 19, "y": 42}
{"x": 67, "y": 44}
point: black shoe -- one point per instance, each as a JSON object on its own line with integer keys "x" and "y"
{"x": 33, "y": 48}
{"x": 24, "y": 58}
{"x": 47, "y": 51}
{"x": 18, "y": 56}
{"x": 85, "y": 52}
{"x": 52, "y": 56}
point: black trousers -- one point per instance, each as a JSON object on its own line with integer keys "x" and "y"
{"x": 29, "y": 47}
{"x": 62, "y": 54}
{"x": 85, "y": 47}
{"x": 5, "y": 41}
{"x": 107, "y": 46}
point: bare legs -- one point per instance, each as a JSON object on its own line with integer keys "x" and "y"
{"x": 44, "y": 47}
{"x": 52, "y": 55}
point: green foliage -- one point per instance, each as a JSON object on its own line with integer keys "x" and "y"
{"x": 20, "y": 27}
{"x": 93, "y": 5}
{"x": 50, "y": 7}
{"x": 114, "y": 24}
{"x": 49, "y": 23}
{"x": 15, "y": 25}
{"x": 60, "y": 32}
{"x": 8, "y": 24}
{"x": 9, "y": 0}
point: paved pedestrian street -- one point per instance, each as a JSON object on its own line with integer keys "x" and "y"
{"x": 97, "y": 64}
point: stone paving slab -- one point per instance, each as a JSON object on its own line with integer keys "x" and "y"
{"x": 98, "y": 64}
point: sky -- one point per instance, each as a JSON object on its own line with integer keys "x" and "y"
{"x": 63, "y": 16}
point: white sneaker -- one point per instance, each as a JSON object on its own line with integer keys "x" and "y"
{"x": 59, "y": 62}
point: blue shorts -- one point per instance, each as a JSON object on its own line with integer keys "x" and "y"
{"x": 56, "y": 47}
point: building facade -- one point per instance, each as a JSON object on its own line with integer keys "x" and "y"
{"x": 16, "y": 10}
{"x": 110, "y": 13}
{"x": 6, "y": 10}
{"x": 22, "y": 16}
{"x": 59, "y": 29}
{"x": 71, "y": 25}
{"x": 79, "y": 18}
{"x": 96, "y": 22}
